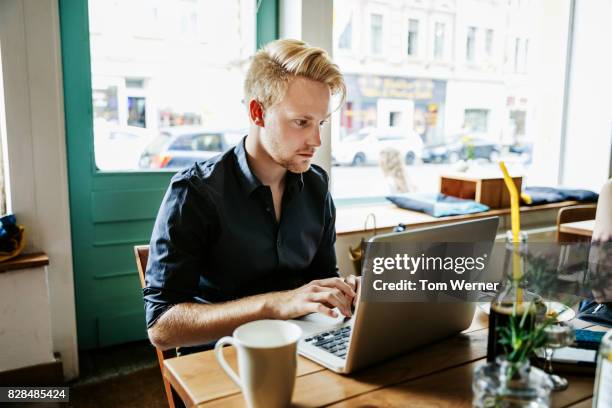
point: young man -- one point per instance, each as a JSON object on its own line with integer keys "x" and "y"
{"x": 250, "y": 234}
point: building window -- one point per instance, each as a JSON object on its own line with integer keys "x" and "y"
{"x": 395, "y": 119}
{"x": 517, "y": 50}
{"x": 439, "y": 41}
{"x": 137, "y": 111}
{"x": 525, "y": 52}
{"x": 376, "y": 27}
{"x": 476, "y": 120}
{"x": 489, "y": 43}
{"x": 413, "y": 37}
{"x": 470, "y": 46}
{"x": 517, "y": 123}
{"x": 346, "y": 38}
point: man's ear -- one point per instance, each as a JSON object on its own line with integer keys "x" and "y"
{"x": 256, "y": 112}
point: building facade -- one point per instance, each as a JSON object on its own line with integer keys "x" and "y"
{"x": 441, "y": 67}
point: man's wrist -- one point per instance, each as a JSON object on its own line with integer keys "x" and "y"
{"x": 268, "y": 306}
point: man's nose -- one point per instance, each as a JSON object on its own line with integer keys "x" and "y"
{"x": 315, "y": 138}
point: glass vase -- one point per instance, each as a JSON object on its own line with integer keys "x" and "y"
{"x": 505, "y": 384}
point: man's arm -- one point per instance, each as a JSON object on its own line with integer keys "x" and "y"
{"x": 190, "y": 324}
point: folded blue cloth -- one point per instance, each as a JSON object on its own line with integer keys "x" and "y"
{"x": 436, "y": 204}
{"x": 544, "y": 195}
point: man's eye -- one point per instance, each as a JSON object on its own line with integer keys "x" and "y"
{"x": 301, "y": 122}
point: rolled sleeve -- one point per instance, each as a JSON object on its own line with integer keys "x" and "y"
{"x": 182, "y": 230}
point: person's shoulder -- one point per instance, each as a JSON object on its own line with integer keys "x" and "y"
{"x": 206, "y": 174}
{"x": 316, "y": 174}
{"x": 316, "y": 182}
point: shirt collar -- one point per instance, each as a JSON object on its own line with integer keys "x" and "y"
{"x": 251, "y": 182}
{"x": 295, "y": 178}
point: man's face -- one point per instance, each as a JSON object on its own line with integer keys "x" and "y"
{"x": 292, "y": 127}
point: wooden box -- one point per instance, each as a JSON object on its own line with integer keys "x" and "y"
{"x": 490, "y": 191}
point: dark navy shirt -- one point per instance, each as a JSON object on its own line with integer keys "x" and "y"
{"x": 216, "y": 237}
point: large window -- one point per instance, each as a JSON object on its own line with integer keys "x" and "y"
{"x": 173, "y": 72}
{"x": 462, "y": 103}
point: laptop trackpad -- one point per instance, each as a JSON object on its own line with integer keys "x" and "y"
{"x": 317, "y": 322}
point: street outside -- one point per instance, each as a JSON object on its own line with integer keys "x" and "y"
{"x": 368, "y": 181}
{"x": 122, "y": 154}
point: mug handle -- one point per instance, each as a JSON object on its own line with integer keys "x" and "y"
{"x": 221, "y": 359}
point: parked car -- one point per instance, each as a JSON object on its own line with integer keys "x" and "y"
{"x": 364, "y": 147}
{"x": 462, "y": 147}
{"x": 118, "y": 147}
{"x": 180, "y": 146}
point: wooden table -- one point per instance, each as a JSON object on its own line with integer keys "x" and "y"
{"x": 581, "y": 228}
{"x": 439, "y": 375}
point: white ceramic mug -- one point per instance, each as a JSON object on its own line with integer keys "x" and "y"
{"x": 267, "y": 361}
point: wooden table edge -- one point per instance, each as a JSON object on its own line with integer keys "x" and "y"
{"x": 571, "y": 229}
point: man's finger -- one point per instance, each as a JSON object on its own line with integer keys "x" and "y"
{"x": 338, "y": 283}
{"x": 353, "y": 281}
{"x": 332, "y": 299}
{"x": 320, "y": 308}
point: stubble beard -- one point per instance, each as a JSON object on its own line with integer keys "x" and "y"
{"x": 286, "y": 160}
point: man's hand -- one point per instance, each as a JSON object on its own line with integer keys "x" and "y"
{"x": 321, "y": 296}
{"x": 354, "y": 282}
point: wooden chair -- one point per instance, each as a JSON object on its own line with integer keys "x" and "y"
{"x": 574, "y": 213}
{"x": 174, "y": 401}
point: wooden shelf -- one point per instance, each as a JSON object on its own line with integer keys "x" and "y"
{"x": 25, "y": 261}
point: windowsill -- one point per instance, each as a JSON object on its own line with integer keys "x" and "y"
{"x": 350, "y": 218}
{"x": 25, "y": 261}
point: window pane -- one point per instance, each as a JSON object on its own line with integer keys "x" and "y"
{"x": 346, "y": 38}
{"x": 413, "y": 33}
{"x": 172, "y": 77}
{"x": 517, "y": 47}
{"x": 489, "y": 43}
{"x": 470, "y": 47}
{"x": 461, "y": 100}
{"x": 439, "y": 41}
{"x": 475, "y": 120}
{"x": 376, "y": 21}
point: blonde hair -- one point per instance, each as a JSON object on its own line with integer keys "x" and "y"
{"x": 273, "y": 66}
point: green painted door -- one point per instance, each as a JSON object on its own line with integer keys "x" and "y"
{"x": 110, "y": 211}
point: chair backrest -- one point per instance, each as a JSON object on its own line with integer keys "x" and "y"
{"x": 142, "y": 257}
{"x": 574, "y": 213}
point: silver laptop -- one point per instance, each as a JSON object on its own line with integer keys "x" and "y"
{"x": 378, "y": 331}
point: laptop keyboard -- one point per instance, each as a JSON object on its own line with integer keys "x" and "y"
{"x": 333, "y": 341}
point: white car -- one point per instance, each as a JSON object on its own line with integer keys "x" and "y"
{"x": 118, "y": 147}
{"x": 364, "y": 147}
